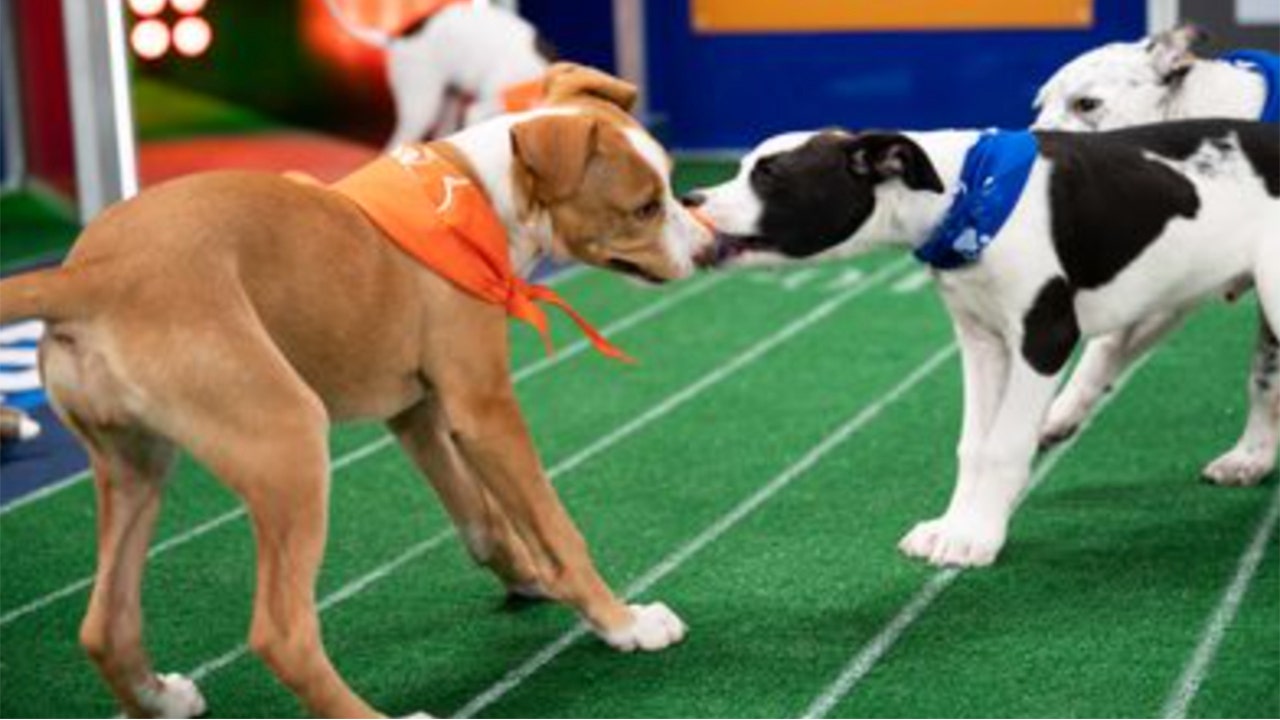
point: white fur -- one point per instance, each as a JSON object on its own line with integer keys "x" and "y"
{"x": 479, "y": 50}
{"x": 1127, "y": 80}
{"x": 1005, "y": 399}
{"x": 653, "y": 627}
{"x": 177, "y": 697}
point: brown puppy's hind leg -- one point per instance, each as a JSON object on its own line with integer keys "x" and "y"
{"x": 129, "y": 473}
{"x": 281, "y": 471}
{"x": 259, "y": 428}
{"x": 485, "y": 530}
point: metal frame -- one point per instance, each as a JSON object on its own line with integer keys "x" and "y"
{"x": 14, "y": 139}
{"x": 1162, "y": 15}
{"x": 101, "y": 103}
{"x": 629, "y": 48}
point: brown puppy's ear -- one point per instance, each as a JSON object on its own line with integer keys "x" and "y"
{"x": 566, "y": 82}
{"x": 551, "y": 154}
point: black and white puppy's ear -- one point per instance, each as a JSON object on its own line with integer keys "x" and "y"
{"x": 881, "y": 156}
{"x": 1172, "y": 52}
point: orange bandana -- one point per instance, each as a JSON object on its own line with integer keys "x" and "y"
{"x": 433, "y": 212}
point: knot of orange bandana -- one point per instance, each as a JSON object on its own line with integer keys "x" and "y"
{"x": 433, "y": 212}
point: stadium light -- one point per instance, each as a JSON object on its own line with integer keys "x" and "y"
{"x": 146, "y": 8}
{"x": 188, "y": 7}
{"x": 150, "y": 39}
{"x": 191, "y": 36}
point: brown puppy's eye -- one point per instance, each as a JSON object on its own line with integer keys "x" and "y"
{"x": 1085, "y": 105}
{"x": 649, "y": 210}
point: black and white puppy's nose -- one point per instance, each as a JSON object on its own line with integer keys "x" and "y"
{"x": 693, "y": 199}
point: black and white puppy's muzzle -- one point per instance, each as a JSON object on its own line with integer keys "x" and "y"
{"x": 725, "y": 246}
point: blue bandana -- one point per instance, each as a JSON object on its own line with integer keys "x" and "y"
{"x": 995, "y": 171}
{"x": 1267, "y": 65}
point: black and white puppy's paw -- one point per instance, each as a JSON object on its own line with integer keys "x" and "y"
{"x": 954, "y": 541}
{"x": 1241, "y": 466}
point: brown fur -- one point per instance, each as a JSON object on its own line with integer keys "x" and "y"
{"x": 238, "y": 315}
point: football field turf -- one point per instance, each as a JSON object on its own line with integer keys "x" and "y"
{"x": 782, "y": 430}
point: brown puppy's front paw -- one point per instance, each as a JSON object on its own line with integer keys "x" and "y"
{"x": 652, "y": 627}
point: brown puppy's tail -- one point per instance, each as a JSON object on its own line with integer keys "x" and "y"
{"x": 51, "y": 294}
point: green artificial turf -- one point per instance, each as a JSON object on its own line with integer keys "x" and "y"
{"x": 1113, "y": 566}
{"x": 163, "y": 111}
{"x": 33, "y": 227}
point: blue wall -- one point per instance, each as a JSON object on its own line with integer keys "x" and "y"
{"x": 582, "y": 30}
{"x": 727, "y": 91}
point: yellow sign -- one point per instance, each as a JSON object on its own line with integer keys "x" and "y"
{"x": 763, "y": 16}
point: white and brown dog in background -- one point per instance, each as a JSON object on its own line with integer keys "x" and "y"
{"x": 464, "y": 53}
{"x": 239, "y": 315}
{"x": 1155, "y": 79}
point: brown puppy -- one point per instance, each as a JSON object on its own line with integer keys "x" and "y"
{"x": 237, "y": 315}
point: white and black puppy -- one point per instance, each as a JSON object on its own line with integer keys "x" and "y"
{"x": 1037, "y": 239}
{"x": 478, "y": 51}
{"x": 1157, "y": 79}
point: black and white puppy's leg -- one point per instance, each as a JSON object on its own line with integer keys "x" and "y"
{"x": 972, "y": 530}
{"x": 1254, "y": 454}
{"x": 985, "y": 360}
{"x": 1103, "y": 360}
{"x": 993, "y": 478}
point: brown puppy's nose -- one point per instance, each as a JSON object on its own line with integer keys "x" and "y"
{"x": 693, "y": 199}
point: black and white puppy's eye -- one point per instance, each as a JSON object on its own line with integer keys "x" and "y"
{"x": 1084, "y": 105}
{"x": 766, "y": 167}
{"x": 649, "y": 210}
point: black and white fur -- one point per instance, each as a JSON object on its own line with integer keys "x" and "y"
{"x": 1111, "y": 228}
{"x": 462, "y": 49}
{"x": 1121, "y": 84}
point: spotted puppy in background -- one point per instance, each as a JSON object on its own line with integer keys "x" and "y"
{"x": 1036, "y": 239}
{"x": 1152, "y": 80}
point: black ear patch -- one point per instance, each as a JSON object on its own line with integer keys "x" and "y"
{"x": 882, "y": 155}
{"x": 1050, "y": 330}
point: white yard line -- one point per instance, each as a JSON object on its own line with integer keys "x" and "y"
{"x": 47, "y": 491}
{"x": 913, "y": 281}
{"x": 539, "y": 366}
{"x": 1193, "y": 675}
{"x": 869, "y": 655}
{"x": 657, "y": 412}
{"x": 74, "y": 479}
{"x": 724, "y": 524}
